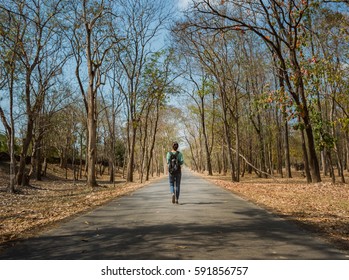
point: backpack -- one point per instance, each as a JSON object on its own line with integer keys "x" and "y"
{"x": 174, "y": 165}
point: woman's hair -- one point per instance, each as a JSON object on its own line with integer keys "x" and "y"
{"x": 175, "y": 146}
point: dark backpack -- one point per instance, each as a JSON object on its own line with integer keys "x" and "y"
{"x": 174, "y": 166}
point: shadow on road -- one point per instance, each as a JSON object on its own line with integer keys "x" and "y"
{"x": 209, "y": 223}
{"x": 230, "y": 240}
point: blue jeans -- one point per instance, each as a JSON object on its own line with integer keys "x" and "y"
{"x": 175, "y": 183}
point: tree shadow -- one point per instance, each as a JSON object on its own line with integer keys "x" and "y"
{"x": 259, "y": 238}
{"x": 201, "y": 203}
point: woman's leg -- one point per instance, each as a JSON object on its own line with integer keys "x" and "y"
{"x": 172, "y": 190}
{"x": 178, "y": 185}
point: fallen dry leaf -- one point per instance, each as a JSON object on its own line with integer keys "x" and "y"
{"x": 49, "y": 201}
{"x": 322, "y": 208}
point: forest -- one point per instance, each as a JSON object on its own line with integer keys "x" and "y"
{"x": 246, "y": 87}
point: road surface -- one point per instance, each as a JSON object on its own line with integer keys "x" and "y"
{"x": 209, "y": 223}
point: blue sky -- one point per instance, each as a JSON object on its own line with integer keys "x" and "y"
{"x": 182, "y": 4}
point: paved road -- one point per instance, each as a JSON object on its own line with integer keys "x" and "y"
{"x": 209, "y": 223}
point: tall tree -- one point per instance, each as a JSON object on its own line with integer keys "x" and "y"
{"x": 94, "y": 35}
{"x": 112, "y": 103}
{"x": 10, "y": 37}
{"x": 158, "y": 85}
{"x": 142, "y": 23}
{"x": 202, "y": 90}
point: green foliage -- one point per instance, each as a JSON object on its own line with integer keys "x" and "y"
{"x": 344, "y": 123}
{"x": 207, "y": 87}
{"x": 298, "y": 126}
{"x": 323, "y": 138}
{"x": 3, "y": 143}
{"x": 120, "y": 149}
{"x": 157, "y": 77}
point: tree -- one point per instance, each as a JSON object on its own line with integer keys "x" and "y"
{"x": 10, "y": 38}
{"x": 202, "y": 90}
{"x": 93, "y": 33}
{"x": 326, "y": 79}
{"x": 280, "y": 24}
{"x": 34, "y": 37}
{"x": 158, "y": 84}
{"x": 142, "y": 21}
{"x": 111, "y": 112}
{"x": 219, "y": 56}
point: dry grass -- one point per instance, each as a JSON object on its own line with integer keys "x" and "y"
{"x": 322, "y": 208}
{"x": 49, "y": 201}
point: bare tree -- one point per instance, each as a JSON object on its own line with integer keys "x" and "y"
{"x": 158, "y": 84}
{"x": 37, "y": 41}
{"x": 204, "y": 89}
{"x": 112, "y": 103}
{"x": 279, "y": 25}
{"x": 92, "y": 39}
{"x": 142, "y": 22}
{"x": 9, "y": 51}
{"x": 215, "y": 52}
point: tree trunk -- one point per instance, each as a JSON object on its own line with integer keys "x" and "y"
{"x": 91, "y": 145}
{"x": 10, "y": 144}
{"x": 324, "y": 162}
{"x": 228, "y": 139}
{"x": 12, "y": 163}
{"x": 164, "y": 161}
{"x": 287, "y": 150}
{"x": 44, "y": 167}
{"x": 261, "y": 146}
{"x": 219, "y": 163}
{"x": 111, "y": 171}
{"x": 203, "y": 125}
{"x": 336, "y": 146}
{"x": 347, "y": 150}
{"x": 142, "y": 147}
{"x": 224, "y": 162}
{"x": 314, "y": 164}
{"x": 281, "y": 80}
{"x": 151, "y": 152}
{"x": 131, "y": 154}
{"x": 237, "y": 138}
{"x": 21, "y": 177}
{"x": 237, "y": 147}
{"x": 91, "y": 111}
{"x": 305, "y": 115}
{"x": 330, "y": 165}
{"x": 279, "y": 146}
{"x": 81, "y": 155}
{"x": 36, "y": 157}
{"x": 305, "y": 158}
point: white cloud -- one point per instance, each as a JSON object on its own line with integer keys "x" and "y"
{"x": 183, "y": 4}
